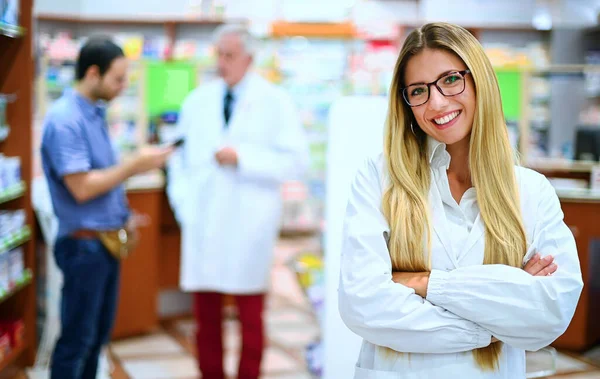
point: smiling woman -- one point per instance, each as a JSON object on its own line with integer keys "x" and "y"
{"x": 449, "y": 284}
{"x": 436, "y": 106}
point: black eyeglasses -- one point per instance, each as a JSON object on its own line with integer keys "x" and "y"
{"x": 451, "y": 84}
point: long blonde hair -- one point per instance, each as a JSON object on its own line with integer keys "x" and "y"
{"x": 491, "y": 161}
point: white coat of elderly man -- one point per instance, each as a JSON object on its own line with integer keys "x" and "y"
{"x": 242, "y": 139}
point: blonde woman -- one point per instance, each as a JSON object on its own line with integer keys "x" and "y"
{"x": 455, "y": 260}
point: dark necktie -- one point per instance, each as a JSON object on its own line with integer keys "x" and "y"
{"x": 227, "y": 106}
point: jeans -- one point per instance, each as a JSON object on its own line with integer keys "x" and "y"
{"x": 89, "y": 301}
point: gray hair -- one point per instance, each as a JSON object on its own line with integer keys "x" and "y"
{"x": 248, "y": 41}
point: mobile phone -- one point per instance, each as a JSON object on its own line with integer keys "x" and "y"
{"x": 178, "y": 142}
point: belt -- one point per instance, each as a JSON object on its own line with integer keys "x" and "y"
{"x": 84, "y": 234}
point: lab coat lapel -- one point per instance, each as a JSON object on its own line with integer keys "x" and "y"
{"x": 477, "y": 232}
{"x": 439, "y": 223}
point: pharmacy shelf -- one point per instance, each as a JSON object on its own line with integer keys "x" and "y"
{"x": 13, "y": 192}
{"x": 15, "y": 239}
{"x": 18, "y": 74}
{"x": 21, "y": 283}
{"x": 134, "y": 21}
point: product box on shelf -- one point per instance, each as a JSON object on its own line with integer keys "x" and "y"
{"x": 4, "y": 127}
{"x": 4, "y": 274}
{"x": 10, "y": 223}
{"x": 16, "y": 265}
{"x": 5, "y": 225}
{"x": 18, "y": 219}
{"x": 10, "y": 172}
{"x": 15, "y": 330}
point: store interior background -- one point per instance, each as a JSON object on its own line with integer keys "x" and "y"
{"x": 336, "y": 59}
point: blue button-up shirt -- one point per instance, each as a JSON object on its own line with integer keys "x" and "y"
{"x": 76, "y": 140}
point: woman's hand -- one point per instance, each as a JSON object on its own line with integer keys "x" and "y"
{"x": 415, "y": 280}
{"x": 538, "y": 266}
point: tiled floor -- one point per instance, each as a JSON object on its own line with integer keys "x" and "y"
{"x": 291, "y": 326}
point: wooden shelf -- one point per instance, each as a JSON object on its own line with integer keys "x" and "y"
{"x": 11, "y": 30}
{"x": 12, "y": 357}
{"x": 134, "y": 21}
{"x": 13, "y": 192}
{"x": 22, "y": 283}
{"x": 17, "y": 77}
{"x": 16, "y": 239}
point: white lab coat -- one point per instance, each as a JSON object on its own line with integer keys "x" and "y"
{"x": 467, "y": 303}
{"x": 230, "y": 217}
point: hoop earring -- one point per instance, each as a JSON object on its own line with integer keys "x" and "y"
{"x": 411, "y": 128}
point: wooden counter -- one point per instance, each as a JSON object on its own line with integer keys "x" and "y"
{"x": 582, "y": 214}
{"x": 583, "y": 217}
{"x": 138, "y": 300}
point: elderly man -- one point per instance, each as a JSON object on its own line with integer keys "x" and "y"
{"x": 243, "y": 139}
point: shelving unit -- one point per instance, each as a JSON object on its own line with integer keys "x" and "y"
{"x": 16, "y": 78}
{"x": 132, "y": 21}
{"x": 170, "y": 26}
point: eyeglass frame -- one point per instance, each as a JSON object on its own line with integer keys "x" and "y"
{"x": 463, "y": 73}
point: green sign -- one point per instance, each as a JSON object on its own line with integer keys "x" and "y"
{"x": 167, "y": 85}
{"x": 510, "y": 91}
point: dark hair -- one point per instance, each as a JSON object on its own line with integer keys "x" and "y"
{"x": 97, "y": 51}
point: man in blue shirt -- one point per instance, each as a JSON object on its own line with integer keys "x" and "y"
{"x": 86, "y": 186}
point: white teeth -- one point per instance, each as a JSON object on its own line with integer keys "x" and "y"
{"x": 446, "y": 119}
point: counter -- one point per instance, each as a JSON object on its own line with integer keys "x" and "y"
{"x": 556, "y": 165}
{"x": 581, "y": 207}
{"x": 578, "y": 195}
{"x": 583, "y": 217}
{"x": 138, "y": 298}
